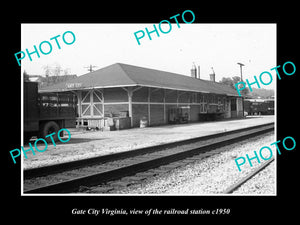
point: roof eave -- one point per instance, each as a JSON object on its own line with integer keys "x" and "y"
{"x": 132, "y": 85}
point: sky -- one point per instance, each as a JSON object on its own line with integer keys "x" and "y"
{"x": 220, "y": 46}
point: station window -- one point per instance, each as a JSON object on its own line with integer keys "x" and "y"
{"x": 194, "y": 98}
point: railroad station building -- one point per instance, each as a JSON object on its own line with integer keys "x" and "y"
{"x": 128, "y": 94}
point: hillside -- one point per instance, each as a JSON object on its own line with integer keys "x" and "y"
{"x": 261, "y": 92}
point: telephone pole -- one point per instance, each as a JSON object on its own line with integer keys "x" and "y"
{"x": 90, "y": 68}
{"x": 241, "y": 65}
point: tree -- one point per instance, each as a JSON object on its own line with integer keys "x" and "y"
{"x": 57, "y": 69}
{"x": 47, "y": 70}
{"x": 25, "y": 76}
{"x": 52, "y": 73}
{"x": 227, "y": 81}
{"x": 67, "y": 71}
{"x": 232, "y": 81}
{"x": 53, "y": 70}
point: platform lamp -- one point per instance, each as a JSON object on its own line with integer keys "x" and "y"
{"x": 241, "y": 67}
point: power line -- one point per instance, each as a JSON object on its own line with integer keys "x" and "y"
{"x": 90, "y": 68}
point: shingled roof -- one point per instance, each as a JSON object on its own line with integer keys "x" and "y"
{"x": 124, "y": 75}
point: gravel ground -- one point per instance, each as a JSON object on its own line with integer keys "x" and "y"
{"x": 214, "y": 174}
{"x": 261, "y": 183}
{"x": 89, "y": 144}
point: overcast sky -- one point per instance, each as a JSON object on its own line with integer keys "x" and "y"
{"x": 220, "y": 46}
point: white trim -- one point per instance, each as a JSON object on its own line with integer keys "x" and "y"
{"x": 140, "y": 85}
{"x": 115, "y": 103}
{"x": 100, "y": 99}
{"x": 94, "y": 107}
{"x": 149, "y": 109}
{"x": 136, "y": 89}
{"x": 162, "y": 103}
{"x": 86, "y": 110}
{"x": 151, "y": 103}
{"x": 86, "y": 96}
{"x": 164, "y": 98}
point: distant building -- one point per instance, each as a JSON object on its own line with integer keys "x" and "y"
{"x": 49, "y": 80}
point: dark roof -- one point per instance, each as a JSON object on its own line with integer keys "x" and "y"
{"x": 122, "y": 75}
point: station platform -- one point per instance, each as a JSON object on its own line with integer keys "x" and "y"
{"x": 86, "y": 144}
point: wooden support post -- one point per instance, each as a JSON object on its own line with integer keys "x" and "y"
{"x": 102, "y": 92}
{"x": 149, "y": 98}
{"x": 79, "y": 109}
{"x": 165, "y": 119}
{"x": 92, "y": 103}
{"x": 177, "y": 99}
{"x": 130, "y": 93}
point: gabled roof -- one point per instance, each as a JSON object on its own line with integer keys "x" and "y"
{"x": 124, "y": 75}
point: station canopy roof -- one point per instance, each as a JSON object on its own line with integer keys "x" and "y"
{"x": 124, "y": 75}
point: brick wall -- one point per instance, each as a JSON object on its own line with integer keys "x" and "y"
{"x": 115, "y": 95}
{"x": 157, "y": 114}
{"x": 157, "y": 95}
{"x": 184, "y": 97}
{"x": 239, "y": 107}
{"x": 194, "y": 113}
{"x": 171, "y": 96}
{"x": 140, "y": 95}
{"x": 115, "y": 108}
{"x": 139, "y": 111}
{"x": 167, "y": 110}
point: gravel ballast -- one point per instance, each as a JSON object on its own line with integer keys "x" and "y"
{"x": 90, "y": 144}
{"x": 214, "y": 174}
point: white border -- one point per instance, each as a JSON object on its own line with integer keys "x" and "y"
{"x": 112, "y": 195}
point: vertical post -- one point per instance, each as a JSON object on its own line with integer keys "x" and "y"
{"x": 57, "y": 104}
{"x": 165, "y": 106}
{"x": 177, "y": 97}
{"x": 241, "y": 68}
{"x": 102, "y": 93}
{"x": 130, "y": 92}
{"x": 237, "y": 107}
{"x": 243, "y": 106}
{"x": 92, "y": 103}
{"x": 149, "y": 98}
{"x": 241, "y": 72}
{"x": 79, "y": 109}
{"x": 199, "y": 101}
{"x": 241, "y": 65}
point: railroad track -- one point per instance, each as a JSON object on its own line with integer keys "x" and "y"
{"x": 68, "y": 177}
{"x": 240, "y": 182}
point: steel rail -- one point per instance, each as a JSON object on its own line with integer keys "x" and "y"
{"x": 240, "y": 182}
{"x": 146, "y": 164}
{"x": 57, "y": 168}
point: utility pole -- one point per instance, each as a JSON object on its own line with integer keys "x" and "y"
{"x": 90, "y": 68}
{"x": 241, "y": 65}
